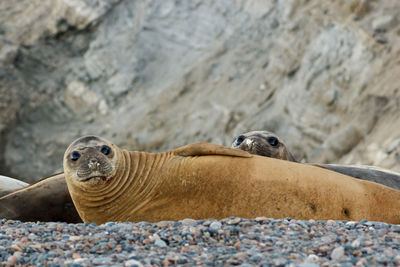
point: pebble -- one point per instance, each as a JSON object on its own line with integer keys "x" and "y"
{"x": 231, "y": 241}
{"x": 160, "y": 243}
{"x": 337, "y": 253}
{"x": 216, "y": 225}
{"x": 188, "y": 222}
{"x": 133, "y": 263}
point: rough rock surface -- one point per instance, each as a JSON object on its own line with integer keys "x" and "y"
{"x": 154, "y": 75}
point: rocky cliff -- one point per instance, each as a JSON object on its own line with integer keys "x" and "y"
{"x": 154, "y": 75}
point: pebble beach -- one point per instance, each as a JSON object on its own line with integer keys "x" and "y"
{"x": 228, "y": 242}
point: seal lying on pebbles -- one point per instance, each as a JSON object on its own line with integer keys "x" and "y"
{"x": 204, "y": 180}
{"x": 8, "y": 185}
{"x": 45, "y": 200}
{"x": 268, "y": 144}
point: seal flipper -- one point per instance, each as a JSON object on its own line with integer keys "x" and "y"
{"x": 206, "y": 149}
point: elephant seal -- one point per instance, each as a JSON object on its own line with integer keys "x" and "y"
{"x": 263, "y": 143}
{"x": 45, "y": 200}
{"x": 268, "y": 144}
{"x": 204, "y": 180}
{"x": 8, "y": 185}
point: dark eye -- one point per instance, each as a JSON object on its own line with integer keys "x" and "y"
{"x": 105, "y": 150}
{"x": 240, "y": 139}
{"x": 75, "y": 156}
{"x": 273, "y": 141}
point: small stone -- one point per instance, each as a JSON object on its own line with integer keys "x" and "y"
{"x": 355, "y": 243}
{"x": 357, "y": 253}
{"x": 16, "y": 247}
{"x": 74, "y": 238}
{"x": 101, "y": 261}
{"x": 12, "y": 260}
{"x": 312, "y": 258}
{"x": 235, "y": 220}
{"x": 396, "y": 228}
{"x": 330, "y": 222}
{"x": 261, "y": 219}
{"x": 351, "y": 224}
{"x": 216, "y": 225}
{"x": 162, "y": 224}
{"x": 308, "y": 265}
{"x": 133, "y": 263}
{"x": 188, "y": 222}
{"x": 160, "y": 243}
{"x": 337, "y": 253}
{"x": 237, "y": 245}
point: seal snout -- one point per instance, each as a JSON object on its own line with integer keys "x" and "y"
{"x": 93, "y": 164}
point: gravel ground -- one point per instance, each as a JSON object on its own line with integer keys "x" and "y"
{"x": 232, "y": 241}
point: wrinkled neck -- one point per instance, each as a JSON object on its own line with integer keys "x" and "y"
{"x": 125, "y": 192}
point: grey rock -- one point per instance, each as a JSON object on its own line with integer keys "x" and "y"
{"x": 133, "y": 263}
{"x": 216, "y": 225}
{"x": 383, "y": 23}
{"x": 337, "y": 253}
{"x": 160, "y": 243}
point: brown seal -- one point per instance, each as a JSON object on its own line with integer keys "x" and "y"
{"x": 46, "y": 200}
{"x": 204, "y": 180}
{"x": 268, "y": 144}
{"x": 8, "y": 185}
{"x": 263, "y": 143}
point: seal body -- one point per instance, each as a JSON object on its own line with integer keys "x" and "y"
{"x": 45, "y": 200}
{"x": 268, "y": 144}
{"x": 209, "y": 181}
{"x": 8, "y": 185}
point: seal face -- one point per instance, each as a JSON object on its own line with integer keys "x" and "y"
{"x": 263, "y": 143}
{"x": 90, "y": 159}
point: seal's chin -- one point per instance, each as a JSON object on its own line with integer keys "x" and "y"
{"x": 95, "y": 176}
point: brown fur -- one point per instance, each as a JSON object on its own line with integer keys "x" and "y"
{"x": 45, "y": 200}
{"x": 169, "y": 186}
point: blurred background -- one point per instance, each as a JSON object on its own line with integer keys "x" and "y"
{"x": 155, "y": 75}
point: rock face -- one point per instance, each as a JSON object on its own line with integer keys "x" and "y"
{"x": 154, "y": 75}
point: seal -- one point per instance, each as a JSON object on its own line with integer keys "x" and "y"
{"x": 8, "y": 185}
{"x": 204, "y": 180}
{"x": 45, "y": 200}
{"x": 268, "y": 144}
{"x": 263, "y": 143}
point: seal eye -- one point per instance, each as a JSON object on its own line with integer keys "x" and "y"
{"x": 105, "y": 150}
{"x": 240, "y": 139}
{"x": 273, "y": 141}
{"x": 75, "y": 156}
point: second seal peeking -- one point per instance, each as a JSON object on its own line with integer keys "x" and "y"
{"x": 204, "y": 180}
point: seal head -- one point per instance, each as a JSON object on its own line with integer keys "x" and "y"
{"x": 263, "y": 143}
{"x": 91, "y": 159}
